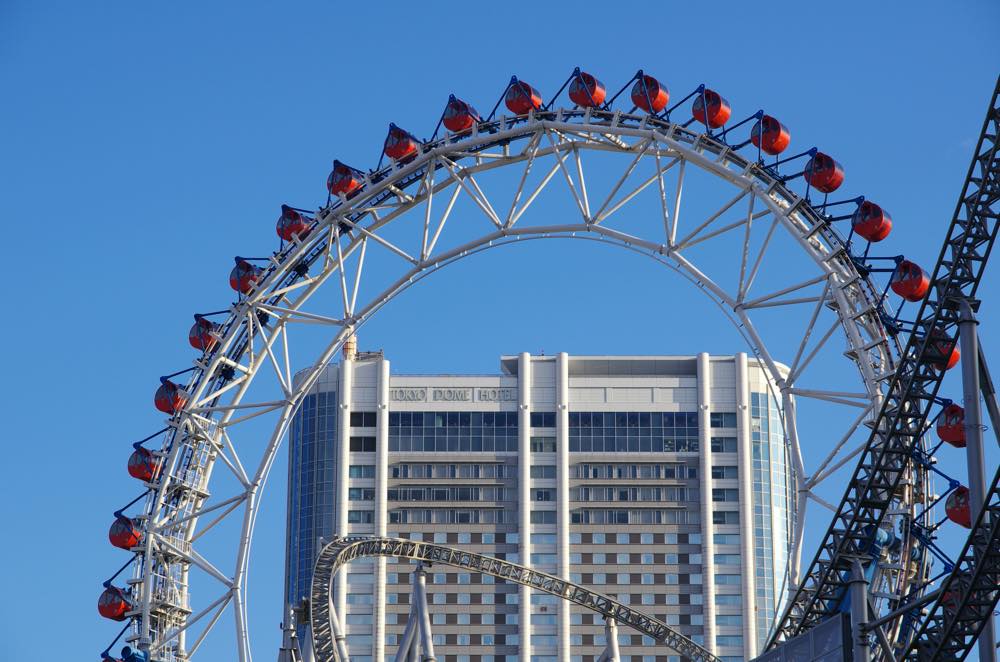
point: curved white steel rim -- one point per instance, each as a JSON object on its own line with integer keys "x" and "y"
{"x": 200, "y": 432}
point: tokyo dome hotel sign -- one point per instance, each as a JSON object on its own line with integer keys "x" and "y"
{"x": 453, "y": 394}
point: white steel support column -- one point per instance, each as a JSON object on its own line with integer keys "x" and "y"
{"x": 858, "y": 589}
{"x": 975, "y": 457}
{"x": 524, "y": 497}
{"x": 707, "y": 542}
{"x": 381, "y": 505}
{"x": 343, "y": 473}
{"x": 611, "y": 650}
{"x": 562, "y": 494}
{"x": 749, "y": 566}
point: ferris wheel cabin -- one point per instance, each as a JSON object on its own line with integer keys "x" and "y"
{"x": 871, "y": 222}
{"x": 244, "y": 276}
{"x": 400, "y": 145}
{"x": 910, "y": 281}
{"x": 114, "y": 604}
{"x": 770, "y": 135}
{"x": 142, "y": 464}
{"x": 650, "y": 94}
{"x": 459, "y": 116}
{"x": 124, "y": 534}
{"x": 711, "y": 109}
{"x": 951, "y": 426}
{"x": 169, "y": 397}
{"x": 586, "y": 91}
{"x": 522, "y": 98}
{"x": 957, "y": 507}
{"x": 291, "y": 223}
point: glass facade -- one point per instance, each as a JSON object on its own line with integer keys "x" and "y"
{"x": 771, "y": 512}
{"x": 312, "y": 462}
{"x": 633, "y": 432}
{"x": 465, "y": 431}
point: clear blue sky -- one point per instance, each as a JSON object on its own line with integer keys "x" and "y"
{"x": 146, "y": 144}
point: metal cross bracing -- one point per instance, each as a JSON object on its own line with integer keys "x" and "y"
{"x": 966, "y": 599}
{"x": 901, "y": 420}
{"x": 325, "y": 625}
{"x": 255, "y": 336}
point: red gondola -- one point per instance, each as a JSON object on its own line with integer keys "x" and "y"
{"x": 909, "y": 281}
{"x": 142, "y": 464}
{"x": 459, "y": 116}
{"x": 586, "y": 91}
{"x": 650, "y": 95}
{"x": 823, "y": 173}
{"x": 124, "y": 534}
{"x": 344, "y": 180}
{"x": 951, "y": 600}
{"x": 942, "y": 341}
{"x": 871, "y": 222}
{"x": 951, "y": 425}
{"x": 292, "y": 223}
{"x": 957, "y": 507}
{"x": 400, "y": 145}
{"x": 718, "y": 109}
{"x": 114, "y": 604}
{"x": 770, "y": 135}
{"x": 203, "y": 334}
{"x": 169, "y": 397}
{"x": 522, "y": 98}
{"x": 244, "y": 276}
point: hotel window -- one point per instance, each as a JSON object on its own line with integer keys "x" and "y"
{"x": 361, "y": 471}
{"x": 723, "y": 444}
{"x": 543, "y": 419}
{"x": 725, "y": 517}
{"x": 543, "y": 444}
{"x": 718, "y": 419}
{"x": 724, "y": 472}
{"x": 725, "y": 494}
{"x": 543, "y": 471}
{"x": 363, "y": 419}
{"x": 362, "y": 444}
{"x": 544, "y": 495}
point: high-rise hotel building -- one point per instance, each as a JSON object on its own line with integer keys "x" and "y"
{"x": 659, "y": 480}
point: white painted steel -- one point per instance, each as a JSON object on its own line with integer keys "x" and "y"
{"x": 203, "y": 431}
{"x": 705, "y": 491}
{"x": 562, "y": 495}
{"x": 524, "y": 497}
{"x": 381, "y": 505}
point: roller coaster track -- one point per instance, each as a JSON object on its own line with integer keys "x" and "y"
{"x": 344, "y": 550}
{"x": 969, "y": 594}
{"x": 901, "y": 421}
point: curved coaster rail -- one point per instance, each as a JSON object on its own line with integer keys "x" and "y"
{"x": 344, "y": 550}
{"x": 903, "y": 416}
{"x": 969, "y": 595}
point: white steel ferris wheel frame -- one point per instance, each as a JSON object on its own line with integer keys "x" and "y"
{"x": 200, "y": 432}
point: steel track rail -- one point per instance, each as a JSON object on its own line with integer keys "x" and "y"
{"x": 344, "y": 550}
{"x": 969, "y": 594}
{"x": 957, "y": 275}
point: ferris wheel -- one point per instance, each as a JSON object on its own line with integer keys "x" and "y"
{"x": 802, "y": 271}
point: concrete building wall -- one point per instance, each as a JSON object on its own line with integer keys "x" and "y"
{"x": 637, "y": 476}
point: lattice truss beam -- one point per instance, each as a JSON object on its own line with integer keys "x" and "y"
{"x": 659, "y": 156}
{"x": 901, "y": 420}
{"x": 968, "y": 596}
{"x": 325, "y": 625}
